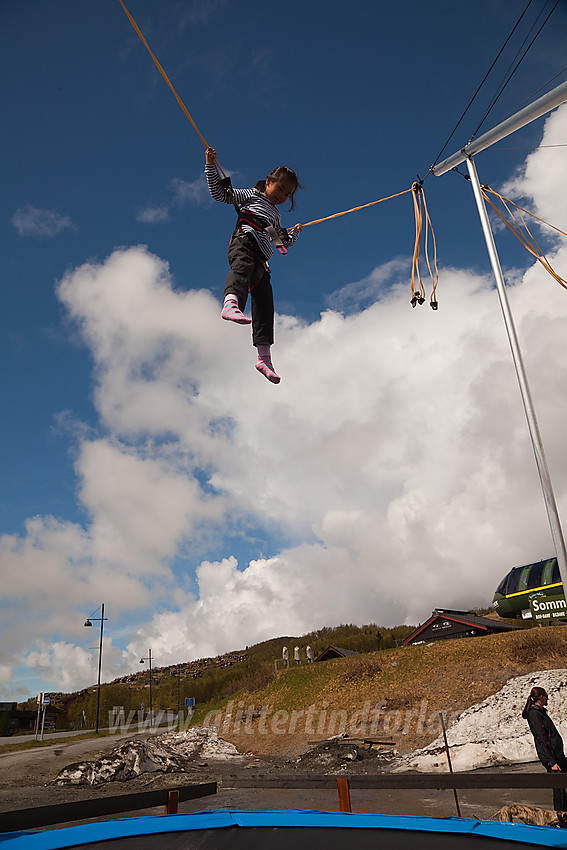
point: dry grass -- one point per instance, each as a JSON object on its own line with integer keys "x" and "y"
{"x": 548, "y": 644}
{"x": 448, "y": 676}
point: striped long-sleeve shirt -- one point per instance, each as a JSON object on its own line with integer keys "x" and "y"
{"x": 252, "y": 201}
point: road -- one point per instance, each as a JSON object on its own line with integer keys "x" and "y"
{"x": 133, "y": 729}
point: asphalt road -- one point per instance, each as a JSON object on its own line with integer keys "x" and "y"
{"x": 19, "y": 739}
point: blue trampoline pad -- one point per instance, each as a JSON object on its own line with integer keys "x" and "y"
{"x": 282, "y": 830}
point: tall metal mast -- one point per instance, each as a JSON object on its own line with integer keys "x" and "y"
{"x": 505, "y": 128}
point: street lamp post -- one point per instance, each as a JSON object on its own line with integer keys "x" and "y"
{"x": 88, "y": 623}
{"x": 179, "y": 667}
{"x": 142, "y": 660}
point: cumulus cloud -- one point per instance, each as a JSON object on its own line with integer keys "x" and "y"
{"x": 396, "y": 471}
{"x": 539, "y": 178}
{"x": 31, "y": 221}
{"x": 77, "y": 666}
{"x": 361, "y": 293}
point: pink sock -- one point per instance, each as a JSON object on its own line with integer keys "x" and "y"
{"x": 264, "y": 364}
{"x": 232, "y": 312}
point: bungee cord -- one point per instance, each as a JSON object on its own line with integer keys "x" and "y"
{"x": 521, "y": 230}
{"x": 421, "y": 213}
{"x": 354, "y": 209}
{"x": 416, "y": 189}
{"x": 167, "y": 80}
{"x": 420, "y": 207}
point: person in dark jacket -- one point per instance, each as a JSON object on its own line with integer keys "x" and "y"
{"x": 548, "y": 741}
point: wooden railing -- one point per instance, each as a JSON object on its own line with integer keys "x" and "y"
{"x": 404, "y": 782}
{"x": 102, "y": 806}
{"x": 32, "y": 818}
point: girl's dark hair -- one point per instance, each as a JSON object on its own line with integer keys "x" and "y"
{"x": 281, "y": 172}
{"x": 535, "y": 694}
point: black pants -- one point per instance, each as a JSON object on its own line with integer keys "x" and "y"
{"x": 560, "y": 794}
{"x": 248, "y": 273}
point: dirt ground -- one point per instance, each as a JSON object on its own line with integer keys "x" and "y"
{"x": 27, "y": 781}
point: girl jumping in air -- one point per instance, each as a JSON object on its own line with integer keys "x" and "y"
{"x": 259, "y": 223}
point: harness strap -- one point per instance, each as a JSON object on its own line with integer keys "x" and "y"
{"x": 256, "y": 222}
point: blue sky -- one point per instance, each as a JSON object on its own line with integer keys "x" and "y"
{"x": 145, "y": 463}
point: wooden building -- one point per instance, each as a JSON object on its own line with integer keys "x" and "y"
{"x": 335, "y": 652}
{"x": 445, "y": 623}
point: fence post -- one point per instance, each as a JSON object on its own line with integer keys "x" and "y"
{"x": 343, "y": 787}
{"x": 172, "y": 802}
{"x": 449, "y": 762}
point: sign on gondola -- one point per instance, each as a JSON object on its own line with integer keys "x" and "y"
{"x": 548, "y": 606}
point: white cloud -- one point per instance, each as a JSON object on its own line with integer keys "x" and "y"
{"x": 153, "y": 215}
{"x": 142, "y": 507}
{"x": 77, "y": 666}
{"x": 31, "y": 221}
{"x": 395, "y": 451}
{"x": 354, "y": 296}
{"x": 540, "y": 178}
{"x": 194, "y": 192}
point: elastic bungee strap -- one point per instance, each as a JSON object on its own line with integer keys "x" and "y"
{"x": 355, "y": 209}
{"x": 420, "y": 206}
{"x": 167, "y": 80}
{"x": 528, "y": 241}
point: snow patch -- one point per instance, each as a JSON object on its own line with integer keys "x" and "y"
{"x": 493, "y": 732}
{"x": 168, "y": 753}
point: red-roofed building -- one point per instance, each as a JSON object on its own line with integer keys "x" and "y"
{"x": 445, "y": 623}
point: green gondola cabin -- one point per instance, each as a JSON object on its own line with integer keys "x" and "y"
{"x": 512, "y": 594}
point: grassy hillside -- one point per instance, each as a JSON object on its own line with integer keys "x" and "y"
{"x": 390, "y": 694}
{"x": 209, "y": 680}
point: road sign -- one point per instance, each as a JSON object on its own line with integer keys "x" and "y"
{"x": 189, "y": 702}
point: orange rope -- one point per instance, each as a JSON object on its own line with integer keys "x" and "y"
{"x": 166, "y": 78}
{"x": 429, "y": 226}
{"x": 420, "y": 206}
{"x": 419, "y": 299}
{"x": 354, "y": 209}
{"x": 528, "y": 241}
